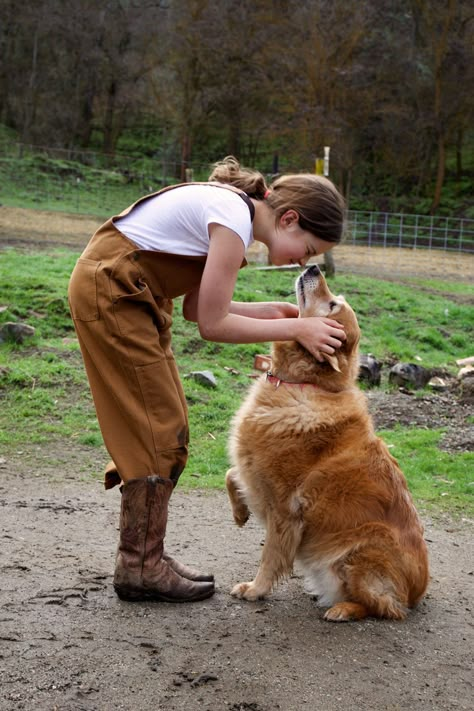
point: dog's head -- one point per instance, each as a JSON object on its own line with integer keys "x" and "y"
{"x": 292, "y": 362}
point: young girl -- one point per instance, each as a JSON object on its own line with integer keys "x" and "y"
{"x": 185, "y": 240}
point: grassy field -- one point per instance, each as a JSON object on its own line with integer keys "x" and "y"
{"x": 39, "y": 182}
{"x": 44, "y": 394}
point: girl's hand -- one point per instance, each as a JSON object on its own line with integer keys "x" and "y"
{"x": 320, "y": 335}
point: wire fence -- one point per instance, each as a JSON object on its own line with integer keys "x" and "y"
{"x": 398, "y": 244}
{"x": 375, "y": 242}
{"x": 386, "y": 229}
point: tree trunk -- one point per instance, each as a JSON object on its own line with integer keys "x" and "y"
{"x": 86, "y": 114}
{"x": 185, "y": 156}
{"x": 439, "y": 173}
{"x": 440, "y": 57}
{"x": 30, "y": 103}
{"x": 109, "y": 133}
{"x": 234, "y": 135}
{"x": 459, "y": 142}
{"x": 346, "y": 181}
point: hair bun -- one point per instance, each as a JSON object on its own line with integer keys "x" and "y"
{"x": 231, "y": 172}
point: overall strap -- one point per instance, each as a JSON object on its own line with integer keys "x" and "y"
{"x": 243, "y": 195}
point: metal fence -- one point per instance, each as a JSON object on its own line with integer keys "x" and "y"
{"x": 398, "y": 245}
{"x": 388, "y": 229}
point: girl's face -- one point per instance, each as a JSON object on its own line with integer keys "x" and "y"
{"x": 292, "y": 244}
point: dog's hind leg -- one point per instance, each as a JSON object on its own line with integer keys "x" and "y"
{"x": 282, "y": 540}
{"x": 240, "y": 510}
{"x": 373, "y": 585}
{"x": 345, "y": 612}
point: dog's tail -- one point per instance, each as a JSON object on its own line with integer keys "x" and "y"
{"x": 382, "y": 596}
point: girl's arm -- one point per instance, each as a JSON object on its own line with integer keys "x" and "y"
{"x": 221, "y": 320}
{"x": 259, "y": 309}
{"x": 264, "y": 309}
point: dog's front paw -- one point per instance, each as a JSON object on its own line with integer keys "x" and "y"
{"x": 247, "y": 591}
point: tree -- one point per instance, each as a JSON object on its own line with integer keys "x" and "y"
{"x": 443, "y": 36}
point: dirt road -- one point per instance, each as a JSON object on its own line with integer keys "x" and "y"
{"x": 68, "y": 644}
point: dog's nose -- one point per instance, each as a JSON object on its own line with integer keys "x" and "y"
{"x": 313, "y": 270}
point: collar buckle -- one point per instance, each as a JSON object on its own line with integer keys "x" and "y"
{"x": 273, "y": 379}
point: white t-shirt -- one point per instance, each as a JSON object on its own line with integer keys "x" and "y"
{"x": 177, "y": 221}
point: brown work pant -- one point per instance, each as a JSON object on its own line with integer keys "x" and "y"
{"x": 121, "y": 302}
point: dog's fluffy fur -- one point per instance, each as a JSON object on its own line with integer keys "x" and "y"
{"x": 307, "y": 462}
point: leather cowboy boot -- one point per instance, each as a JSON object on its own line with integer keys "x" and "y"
{"x": 112, "y": 478}
{"x": 141, "y": 572}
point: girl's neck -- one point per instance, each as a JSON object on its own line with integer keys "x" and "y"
{"x": 263, "y": 222}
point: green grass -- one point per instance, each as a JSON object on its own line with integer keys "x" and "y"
{"x": 44, "y": 395}
{"x": 434, "y": 476}
{"x": 36, "y": 181}
{"x": 441, "y": 287}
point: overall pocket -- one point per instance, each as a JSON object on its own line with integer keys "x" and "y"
{"x": 165, "y": 413}
{"x": 82, "y": 291}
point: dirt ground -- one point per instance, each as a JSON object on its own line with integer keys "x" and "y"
{"x": 67, "y": 643}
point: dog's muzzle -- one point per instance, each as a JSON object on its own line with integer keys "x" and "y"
{"x": 308, "y": 278}
{"x": 312, "y": 271}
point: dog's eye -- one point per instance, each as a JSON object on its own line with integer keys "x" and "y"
{"x": 332, "y": 304}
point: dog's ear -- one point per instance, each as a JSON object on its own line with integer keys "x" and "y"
{"x": 332, "y": 360}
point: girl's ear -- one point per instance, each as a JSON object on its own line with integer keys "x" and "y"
{"x": 289, "y": 218}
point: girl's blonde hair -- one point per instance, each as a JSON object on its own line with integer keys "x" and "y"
{"x": 317, "y": 201}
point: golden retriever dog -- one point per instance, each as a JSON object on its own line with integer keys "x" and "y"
{"x": 308, "y": 464}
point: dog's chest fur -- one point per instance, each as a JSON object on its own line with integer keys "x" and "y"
{"x": 300, "y": 421}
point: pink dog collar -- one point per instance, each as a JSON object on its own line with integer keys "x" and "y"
{"x": 277, "y": 381}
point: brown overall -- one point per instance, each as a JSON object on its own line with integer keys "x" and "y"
{"x": 120, "y": 298}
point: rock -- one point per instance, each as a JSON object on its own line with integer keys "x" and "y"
{"x": 438, "y": 383}
{"x": 232, "y": 371}
{"x": 466, "y": 378}
{"x": 467, "y": 391}
{"x": 205, "y": 377}
{"x": 466, "y": 372}
{"x": 465, "y": 361}
{"x": 369, "y": 369}
{"x": 16, "y": 332}
{"x": 409, "y": 375}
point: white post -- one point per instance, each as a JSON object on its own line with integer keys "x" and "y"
{"x": 326, "y": 160}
